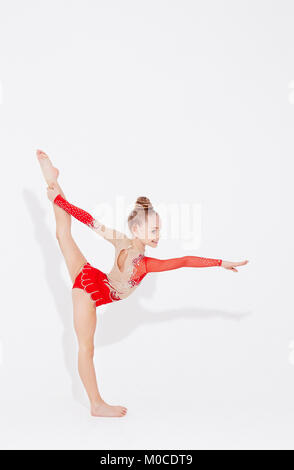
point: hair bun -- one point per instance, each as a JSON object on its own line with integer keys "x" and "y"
{"x": 143, "y": 203}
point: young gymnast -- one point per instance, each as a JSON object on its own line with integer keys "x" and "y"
{"x": 92, "y": 287}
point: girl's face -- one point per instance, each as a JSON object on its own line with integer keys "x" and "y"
{"x": 150, "y": 231}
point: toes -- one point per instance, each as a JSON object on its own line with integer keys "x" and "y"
{"x": 41, "y": 155}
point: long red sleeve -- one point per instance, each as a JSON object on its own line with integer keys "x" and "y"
{"x": 109, "y": 234}
{"x": 75, "y": 211}
{"x": 156, "y": 265}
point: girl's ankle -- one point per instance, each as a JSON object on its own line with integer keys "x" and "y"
{"x": 97, "y": 402}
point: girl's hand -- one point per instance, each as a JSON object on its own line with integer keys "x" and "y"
{"x": 232, "y": 265}
{"x": 52, "y": 192}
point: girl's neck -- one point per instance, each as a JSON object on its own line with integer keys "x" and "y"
{"x": 138, "y": 244}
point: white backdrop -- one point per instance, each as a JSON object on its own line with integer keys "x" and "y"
{"x": 183, "y": 102}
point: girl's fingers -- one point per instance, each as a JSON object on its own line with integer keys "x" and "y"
{"x": 241, "y": 263}
{"x": 232, "y": 266}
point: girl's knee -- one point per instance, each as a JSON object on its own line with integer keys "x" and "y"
{"x": 87, "y": 349}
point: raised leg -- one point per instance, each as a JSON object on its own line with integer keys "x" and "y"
{"x": 73, "y": 256}
{"x": 85, "y": 325}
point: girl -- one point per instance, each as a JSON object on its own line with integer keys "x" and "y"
{"x": 92, "y": 287}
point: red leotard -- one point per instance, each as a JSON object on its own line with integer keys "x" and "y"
{"x": 96, "y": 283}
{"x": 108, "y": 288}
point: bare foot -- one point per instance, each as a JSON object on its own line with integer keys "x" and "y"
{"x": 49, "y": 172}
{"x": 103, "y": 409}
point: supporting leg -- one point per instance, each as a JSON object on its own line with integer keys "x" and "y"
{"x": 85, "y": 325}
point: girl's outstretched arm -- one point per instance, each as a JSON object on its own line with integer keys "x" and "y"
{"x": 112, "y": 235}
{"x": 156, "y": 265}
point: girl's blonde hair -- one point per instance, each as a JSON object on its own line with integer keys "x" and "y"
{"x": 143, "y": 208}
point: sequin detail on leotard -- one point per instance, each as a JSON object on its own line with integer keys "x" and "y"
{"x": 136, "y": 277}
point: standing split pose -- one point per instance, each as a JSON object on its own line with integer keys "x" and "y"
{"x": 92, "y": 287}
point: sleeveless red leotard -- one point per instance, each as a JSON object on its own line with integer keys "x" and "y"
{"x": 96, "y": 282}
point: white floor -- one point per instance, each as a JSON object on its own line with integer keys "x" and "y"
{"x": 60, "y": 423}
{"x": 184, "y": 400}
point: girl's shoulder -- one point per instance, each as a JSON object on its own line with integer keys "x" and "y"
{"x": 123, "y": 244}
